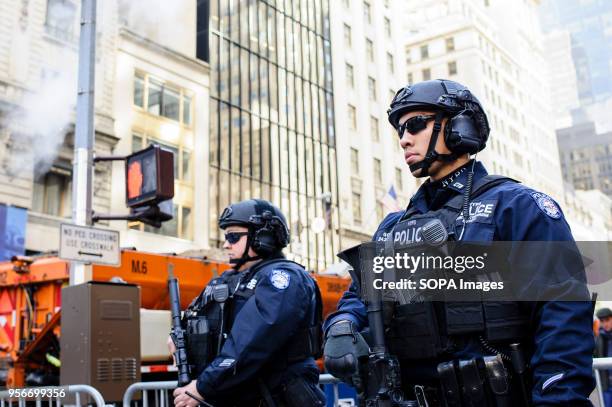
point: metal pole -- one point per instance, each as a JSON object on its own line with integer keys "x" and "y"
{"x": 82, "y": 175}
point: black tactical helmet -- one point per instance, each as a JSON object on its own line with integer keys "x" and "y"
{"x": 268, "y": 231}
{"x": 453, "y": 100}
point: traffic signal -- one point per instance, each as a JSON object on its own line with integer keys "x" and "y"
{"x": 153, "y": 215}
{"x": 149, "y": 176}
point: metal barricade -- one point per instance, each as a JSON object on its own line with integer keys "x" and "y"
{"x": 161, "y": 390}
{"x": 600, "y": 364}
{"x": 52, "y": 395}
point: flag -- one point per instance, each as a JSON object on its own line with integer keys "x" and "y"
{"x": 390, "y": 200}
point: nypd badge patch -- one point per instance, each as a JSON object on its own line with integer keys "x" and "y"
{"x": 547, "y": 205}
{"x": 280, "y": 279}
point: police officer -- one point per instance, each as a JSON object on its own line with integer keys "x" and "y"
{"x": 262, "y": 320}
{"x": 441, "y": 126}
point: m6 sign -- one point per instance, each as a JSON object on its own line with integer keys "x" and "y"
{"x": 89, "y": 245}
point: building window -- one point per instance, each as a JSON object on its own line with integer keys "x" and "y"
{"x": 347, "y": 4}
{"x": 408, "y": 56}
{"x": 356, "y": 207}
{"x": 367, "y": 12}
{"x": 350, "y": 76}
{"x": 374, "y": 128}
{"x": 352, "y": 117}
{"x": 355, "y": 161}
{"x": 388, "y": 27}
{"x": 410, "y": 80}
{"x": 162, "y": 99}
{"x": 378, "y": 178}
{"x": 186, "y": 110}
{"x": 372, "y": 88}
{"x": 487, "y": 3}
{"x": 391, "y": 95}
{"x": 370, "y": 50}
{"x": 452, "y": 68}
{"x": 424, "y": 51}
{"x": 398, "y": 178}
{"x": 139, "y": 90}
{"x": 51, "y": 192}
{"x": 450, "y": 44}
{"x": 60, "y": 19}
{"x": 183, "y": 162}
{"x": 426, "y": 74}
{"x": 390, "y": 63}
{"x": 348, "y": 36}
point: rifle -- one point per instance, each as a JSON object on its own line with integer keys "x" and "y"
{"x": 177, "y": 333}
{"x": 383, "y": 381}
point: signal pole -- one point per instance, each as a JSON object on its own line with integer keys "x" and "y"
{"x": 82, "y": 173}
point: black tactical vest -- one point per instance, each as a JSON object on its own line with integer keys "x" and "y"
{"x": 431, "y": 329}
{"x": 208, "y": 321}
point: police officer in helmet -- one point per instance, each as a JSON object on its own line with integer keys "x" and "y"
{"x": 262, "y": 320}
{"x": 441, "y": 126}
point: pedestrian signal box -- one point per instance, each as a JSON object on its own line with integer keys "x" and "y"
{"x": 149, "y": 176}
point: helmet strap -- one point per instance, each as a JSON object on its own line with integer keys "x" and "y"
{"x": 432, "y": 155}
{"x": 237, "y": 263}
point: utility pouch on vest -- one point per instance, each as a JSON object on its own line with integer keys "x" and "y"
{"x": 499, "y": 381}
{"x": 414, "y": 332}
{"x": 479, "y": 382}
{"x": 473, "y": 384}
{"x": 450, "y": 384}
{"x": 504, "y": 321}
{"x": 198, "y": 343}
{"x": 464, "y": 318}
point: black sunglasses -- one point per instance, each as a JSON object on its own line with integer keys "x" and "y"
{"x": 414, "y": 124}
{"x": 234, "y": 237}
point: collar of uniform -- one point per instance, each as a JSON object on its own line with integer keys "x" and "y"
{"x": 456, "y": 181}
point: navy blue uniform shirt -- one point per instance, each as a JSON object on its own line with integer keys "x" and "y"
{"x": 261, "y": 325}
{"x": 561, "y": 360}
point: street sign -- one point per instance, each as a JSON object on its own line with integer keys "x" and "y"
{"x": 89, "y": 245}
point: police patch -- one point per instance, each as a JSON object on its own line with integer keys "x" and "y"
{"x": 547, "y": 205}
{"x": 280, "y": 279}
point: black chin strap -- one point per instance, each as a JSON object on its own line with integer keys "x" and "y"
{"x": 432, "y": 155}
{"x": 237, "y": 263}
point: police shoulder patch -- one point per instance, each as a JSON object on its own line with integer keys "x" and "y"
{"x": 547, "y": 205}
{"x": 280, "y": 279}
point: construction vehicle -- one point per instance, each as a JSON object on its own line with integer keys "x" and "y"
{"x": 31, "y": 303}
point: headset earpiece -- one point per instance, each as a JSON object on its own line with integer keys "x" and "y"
{"x": 461, "y": 135}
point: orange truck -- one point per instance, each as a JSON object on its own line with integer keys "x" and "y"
{"x": 30, "y": 308}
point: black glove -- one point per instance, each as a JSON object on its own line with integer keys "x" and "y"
{"x": 343, "y": 349}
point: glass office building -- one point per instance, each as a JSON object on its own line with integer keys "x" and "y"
{"x": 271, "y": 127}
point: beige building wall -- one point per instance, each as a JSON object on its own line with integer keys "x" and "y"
{"x": 138, "y": 56}
{"x": 368, "y": 69}
{"x": 522, "y": 143}
{"x": 38, "y": 87}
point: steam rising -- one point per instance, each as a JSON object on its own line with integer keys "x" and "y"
{"x": 38, "y": 123}
{"x": 41, "y": 123}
